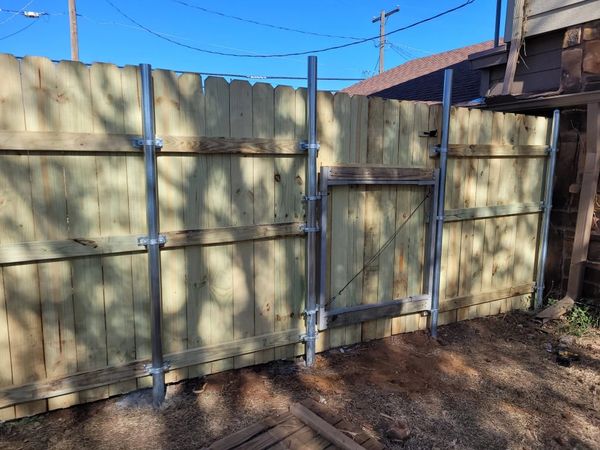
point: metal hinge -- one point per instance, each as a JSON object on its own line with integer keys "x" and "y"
{"x": 146, "y": 241}
{"x": 140, "y": 142}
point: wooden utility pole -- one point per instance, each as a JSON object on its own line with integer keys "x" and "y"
{"x": 384, "y": 15}
{"x": 73, "y": 27}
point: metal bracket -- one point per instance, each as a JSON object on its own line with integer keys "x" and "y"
{"x": 140, "y": 142}
{"x": 146, "y": 241}
{"x": 153, "y": 370}
{"x": 306, "y": 146}
{"x": 312, "y": 198}
{"x": 306, "y": 229}
{"x": 310, "y": 312}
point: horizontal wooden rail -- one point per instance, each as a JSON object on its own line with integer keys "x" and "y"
{"x": 40, "y": 141}
{"x": 38, "y": 251}
{"x": 361, "y": 174}
{"x": 81, "y": 381}
{"x": 476, "y": 299}
{"x": 488, "y": 212}
{"x": 492, "y": 151}
{"x": 356, "y": 314}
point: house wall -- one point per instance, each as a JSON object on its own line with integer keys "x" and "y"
{"x": 538, "y": 69}
{"x": 542, "y": 16}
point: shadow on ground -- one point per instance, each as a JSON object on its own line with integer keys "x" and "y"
{"x": 487, "y": 383}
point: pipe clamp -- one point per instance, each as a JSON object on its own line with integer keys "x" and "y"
{"x": 306, "y": 146}
{"x": 141, "y": 142}
{"x": 306, "y": 229}
{"x": 155, "y": 370}
{"x": 146, "y": 241}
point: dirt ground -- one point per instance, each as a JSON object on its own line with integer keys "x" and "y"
{"x": 489, "y": 383}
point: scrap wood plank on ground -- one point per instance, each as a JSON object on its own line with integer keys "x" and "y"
{"x": 307, "y": 425}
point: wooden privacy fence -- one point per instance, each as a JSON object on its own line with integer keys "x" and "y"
{"x": 74, "y": 312}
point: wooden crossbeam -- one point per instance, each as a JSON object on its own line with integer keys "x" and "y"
{"x": 361, "y": 313}
{"x": 54, "y": 387}
{"x": 40, "y": 141}
{"x": 493, "y": 151}
{"x": 377, "y": 174}
{"x": 38, "y": 251}
{"x": 489, "y": 212}
{"x": 477, "y": 299}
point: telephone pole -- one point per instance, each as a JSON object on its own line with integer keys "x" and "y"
{"x": 73, "y": 27}
{"x": 382, "y": 17}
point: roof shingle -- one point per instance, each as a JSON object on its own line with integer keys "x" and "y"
{"x": 418, "y": 68}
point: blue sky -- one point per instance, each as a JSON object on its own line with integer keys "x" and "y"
{"x": 106, "y": 35}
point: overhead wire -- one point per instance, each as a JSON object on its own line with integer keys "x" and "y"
{"x": 14, "y": 13}
{"x": 20, "y": 30}
{"x": 281, "y": 55}
{"x": 263, "y": 24}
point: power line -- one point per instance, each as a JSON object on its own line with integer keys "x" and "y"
{"x": 282, "y": 55}
{"x": 263, "y": 24}
{"x": 229, "y": 75}
{"x": 18, "y": 31}
{"x": 15, "y": 13}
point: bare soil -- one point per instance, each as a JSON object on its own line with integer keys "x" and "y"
{"x": 489, "y": 383}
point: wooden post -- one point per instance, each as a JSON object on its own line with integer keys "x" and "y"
{"x": 587, "y": 198}
{"x": 515, "y": 47}
{"x": 73, "y": 28}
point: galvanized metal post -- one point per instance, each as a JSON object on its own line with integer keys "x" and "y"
{"x": 311, "y": 215}
{"x": 497, "y": 24}
{"x": 153, "y": 240}
{"x": 437, "y": 269}
{"x": 548, "y": 188}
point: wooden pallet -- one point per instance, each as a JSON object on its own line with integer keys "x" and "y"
{"x": 307, "y": 425}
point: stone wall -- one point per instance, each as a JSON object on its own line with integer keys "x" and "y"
{"x": 581, "y": 58}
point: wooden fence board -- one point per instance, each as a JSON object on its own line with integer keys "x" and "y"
{"x": 263, "y": 126}
{"x": 243, "y": 195}
{"x": 339, "y": 214}
{"x": 108, "y": 117}
{"x": 327, "y": 133}
{"x": 11, "y": 117}
{"x": 372, "y": 213}
{"x": 171, "y": 211}
{"x": 287, "y": 200}
{"x": 230, "y": 195}
{"x": 218, "y": 210}
{"x": 23, "y": 307}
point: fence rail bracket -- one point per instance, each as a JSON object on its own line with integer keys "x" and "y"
{"x": 140, "y": 142}
{"x": 304, "y": 145}
{"x": 157, "y": 370}
{"x": 145, "y": 241}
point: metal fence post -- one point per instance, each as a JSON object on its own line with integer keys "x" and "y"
{"x": 153, "y": 240}
{"x": 311, "y": 215}
{"x": 435, "y": 294}
{"x": 548, "y": 188}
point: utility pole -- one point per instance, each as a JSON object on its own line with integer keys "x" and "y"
{"x": 73, "y": 27}
{"x": 382, "y": 17}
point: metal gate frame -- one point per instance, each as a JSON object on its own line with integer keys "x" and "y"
{"x": 345, "y": 175}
